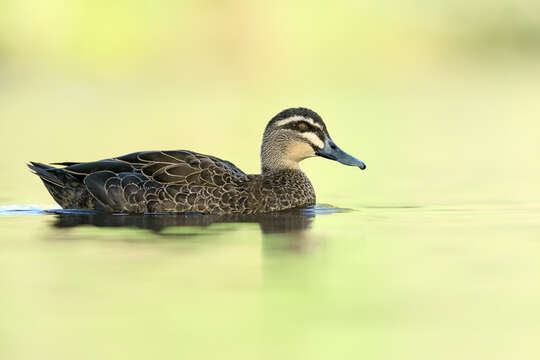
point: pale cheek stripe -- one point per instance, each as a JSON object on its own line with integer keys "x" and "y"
{"x": 298, "y": 118}
{"x": 314, "y": 139}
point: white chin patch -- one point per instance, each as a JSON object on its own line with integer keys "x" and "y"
{"x": 314, "y": 139}
{"x": 298, "y": 118}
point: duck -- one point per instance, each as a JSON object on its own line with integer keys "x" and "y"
{"x": 183, "y": 181}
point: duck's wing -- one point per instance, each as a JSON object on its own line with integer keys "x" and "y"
{"x": 183, "y": 167}
{"x": 158, "y": 180}
{"x": 166, "y": 167}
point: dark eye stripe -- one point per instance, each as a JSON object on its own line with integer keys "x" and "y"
{"x": 308, "y": 128}
{"x": 296, "y": 126}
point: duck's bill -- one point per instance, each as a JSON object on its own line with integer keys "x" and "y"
{"x": 333, "y": 152}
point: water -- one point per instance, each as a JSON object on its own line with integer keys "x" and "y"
{"x": 325, "y": 282}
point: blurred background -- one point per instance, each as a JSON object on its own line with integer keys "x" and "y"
{"x": 441, "y": 100}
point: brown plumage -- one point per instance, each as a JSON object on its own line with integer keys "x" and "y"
{"x": 185, "y": 181}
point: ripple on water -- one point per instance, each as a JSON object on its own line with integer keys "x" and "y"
{"x": 28, "y": 209}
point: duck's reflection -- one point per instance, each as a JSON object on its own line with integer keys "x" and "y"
{"x": 296, "y": 220}
{"x": 290, "y": 225}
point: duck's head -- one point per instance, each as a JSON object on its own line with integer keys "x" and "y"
{"x": 296, "y": 134}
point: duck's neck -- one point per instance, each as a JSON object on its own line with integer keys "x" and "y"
{"x": 274, "y": 159}
{"x": 282, "y": 152}
{"x": 276, "y": 165}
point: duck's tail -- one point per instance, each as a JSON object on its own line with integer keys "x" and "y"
{"x": 65, "y": 188}
{"x": 47, "y": 173}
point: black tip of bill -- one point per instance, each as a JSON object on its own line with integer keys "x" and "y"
{"x": 333, "y": 152}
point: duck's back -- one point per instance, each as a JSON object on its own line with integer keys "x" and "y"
{"x": 149, "y": 181}
{"x": 172, "y": 181}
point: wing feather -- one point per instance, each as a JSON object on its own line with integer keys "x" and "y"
{"x": 158, "y": 181}
{"x": 183, "y": 167}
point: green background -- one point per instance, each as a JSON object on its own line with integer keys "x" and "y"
{"x": 440, "y": 99}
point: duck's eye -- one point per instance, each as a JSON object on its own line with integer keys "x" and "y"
{"x": 302, "y": 127}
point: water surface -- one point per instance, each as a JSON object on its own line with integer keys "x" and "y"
{"x": 324, "y": 282}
